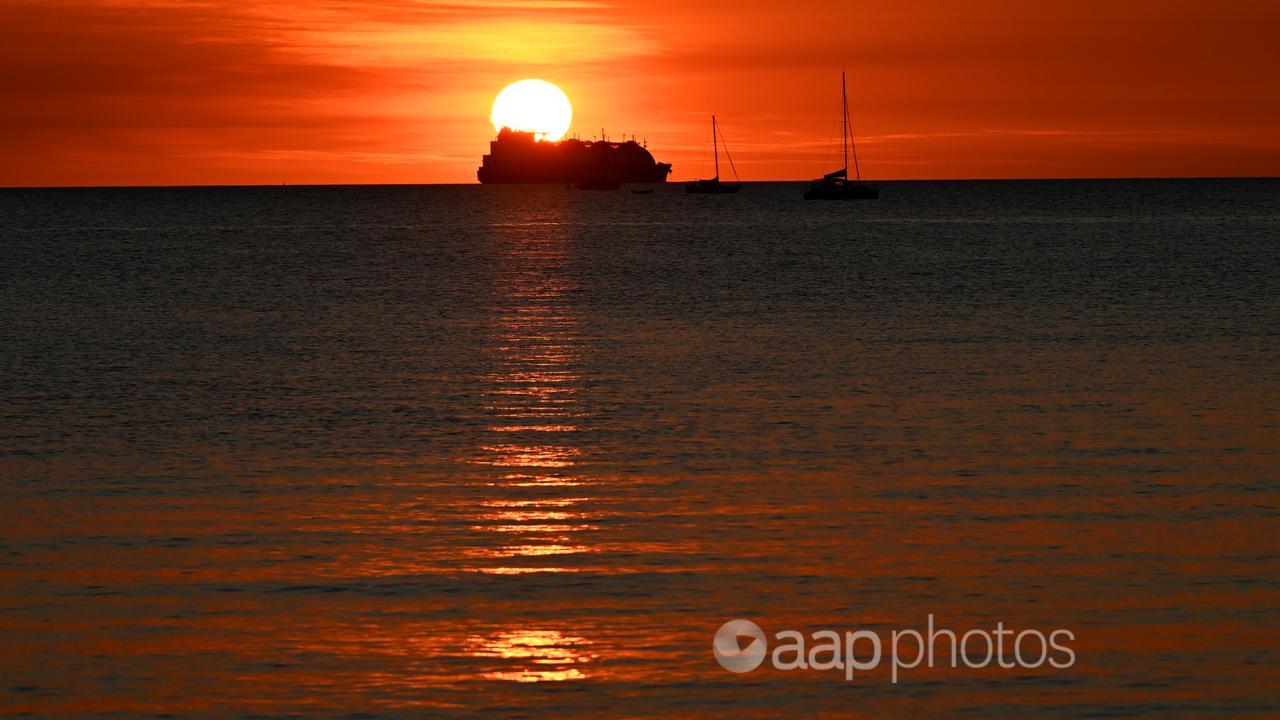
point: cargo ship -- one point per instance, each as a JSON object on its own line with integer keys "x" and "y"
{"x": 519, "y": 157}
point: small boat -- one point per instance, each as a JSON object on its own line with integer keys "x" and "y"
{"x": 599, "y": 183}
{"x": 837, "y": 185}
{"x": 714, "y": 186}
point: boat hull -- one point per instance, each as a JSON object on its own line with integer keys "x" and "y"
{"x": 517, "y": 157}
{"x": 825, "y": 190}
{"x": 711, "y": 187}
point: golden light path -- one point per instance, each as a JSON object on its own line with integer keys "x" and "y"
{"x": 534, "y": 106}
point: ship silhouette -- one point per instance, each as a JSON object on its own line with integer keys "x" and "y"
{"x": 836, "y": 185}
{"x": 519, "y": 157}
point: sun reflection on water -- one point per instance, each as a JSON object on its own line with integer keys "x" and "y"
{"x": 513, "y": 455}
{"x": 541, "y": 655}
{"x": 549, "y": 480}
{"x": 536, "y": 425}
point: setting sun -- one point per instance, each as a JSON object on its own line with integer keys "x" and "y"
{"x": 534, "y": 106}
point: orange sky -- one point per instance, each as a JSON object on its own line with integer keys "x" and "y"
{"x": 257, "y": 91}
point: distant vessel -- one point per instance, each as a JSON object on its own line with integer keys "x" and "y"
{"x": 714, "y": 186}
{"x": 836, "y": 185}
{"x": 519, "y": 157}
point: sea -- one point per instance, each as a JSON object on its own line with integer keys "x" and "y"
{"x": 522, "y": 451}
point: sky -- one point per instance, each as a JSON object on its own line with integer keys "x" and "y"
{"x": 162, "y": 92}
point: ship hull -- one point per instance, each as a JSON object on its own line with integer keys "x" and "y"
{"x": 840, "y": 190}
{"x": 570, "y": 177}
{"x": 517, "y": 157}
{"x": 711, "y": 187}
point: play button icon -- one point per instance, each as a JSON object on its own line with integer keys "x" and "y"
{"x": 739, "y": 646}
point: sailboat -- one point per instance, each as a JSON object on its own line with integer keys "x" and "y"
{"x": 836, "y": 185}
{"x": 714, "y": 185}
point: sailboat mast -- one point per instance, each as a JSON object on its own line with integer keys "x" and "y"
{"x": 715, "y": 148}
{"x": 844, "y": 124}
{"x": 857, "y": 169}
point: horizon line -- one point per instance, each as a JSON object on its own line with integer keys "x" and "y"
{"x": 160, "y": 186}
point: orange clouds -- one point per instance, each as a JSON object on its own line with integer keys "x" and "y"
{"x": 111, "y": 92}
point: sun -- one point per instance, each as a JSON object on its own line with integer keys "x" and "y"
{"x": 534, "y": 106}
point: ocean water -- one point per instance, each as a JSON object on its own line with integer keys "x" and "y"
{"x": 520, "y": 451}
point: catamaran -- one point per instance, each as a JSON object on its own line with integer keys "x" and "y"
{"x": 714, "y": 185}
{"x": 836, "y": 185}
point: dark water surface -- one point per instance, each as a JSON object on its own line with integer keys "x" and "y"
{"x": 436, "y": 451}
